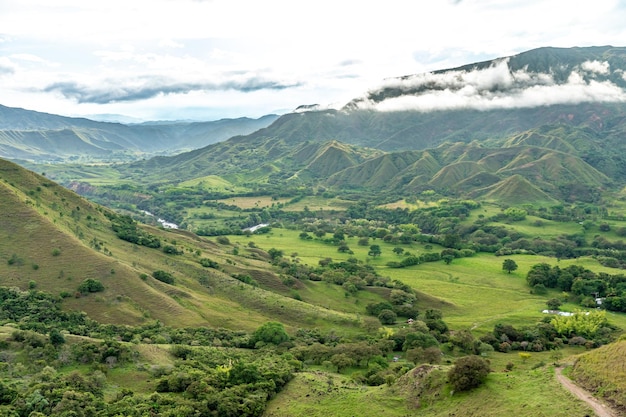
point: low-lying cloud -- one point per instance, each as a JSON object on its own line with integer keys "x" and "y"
{"x": 110, "y": 92}
{"x": 495, "y": 87}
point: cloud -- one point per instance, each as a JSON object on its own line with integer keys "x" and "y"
{"x": 596, "y": 66}
{"x": 155, "y": 86}
{"x": 6, "y": 66}
{"x": 491, "y": 88}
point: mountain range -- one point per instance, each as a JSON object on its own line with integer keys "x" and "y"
{"x": 42, "y": 137}
{"x": 546, "y": 125}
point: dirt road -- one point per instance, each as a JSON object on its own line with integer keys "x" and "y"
{"x": 599, "y": 408}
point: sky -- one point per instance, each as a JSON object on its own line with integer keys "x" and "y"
{"x": 212, "y": 59}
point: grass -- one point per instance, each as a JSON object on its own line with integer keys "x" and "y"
{"x": 473, "y": 293}
{"x": 403, "y": 204}
{"x": 530, "y": 392}
{"x": 603, "y": 371}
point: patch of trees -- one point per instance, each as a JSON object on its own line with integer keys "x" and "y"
{"x": 212, "y": 381}
{"x": 551, "y": 333}
{"x": 226, "y": 382}
{"x": 352, "y": 275}
{"x": 583, "y": 283}
{"x": 127, "y": 229}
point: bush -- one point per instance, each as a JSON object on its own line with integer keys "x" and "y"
{"x": 163, "y": 276}
{"x": 208, "y": 263}
{"x": 468, "y": 372}
{"x": 90, "y": 285}
{"x": 172, "y": 250}
{"x": 270, "y": 333}
{"x": 387, "y": 317}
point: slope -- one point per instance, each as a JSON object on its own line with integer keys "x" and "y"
{"x": 51, "y": 239}
{"x": 602, "y": 371}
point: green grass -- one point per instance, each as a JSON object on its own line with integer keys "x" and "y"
{"x": 603, "y": 371}
{"x": 473, "y": 293}
{"x": 530, "y": 392}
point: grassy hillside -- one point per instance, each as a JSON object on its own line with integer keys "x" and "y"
{"x": 51, "y": 239}
{"x": 530, "y": 389}
{"x": 603, "y": 372}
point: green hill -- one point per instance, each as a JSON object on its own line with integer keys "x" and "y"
{"x": 603, "y": 372}
{"x": 514, "y": 190}
{"x": 52, "y": 239}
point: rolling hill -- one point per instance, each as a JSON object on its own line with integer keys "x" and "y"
{"x": 53, "y": 240}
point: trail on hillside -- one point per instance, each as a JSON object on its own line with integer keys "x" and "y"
{"x": 598, "y": 407}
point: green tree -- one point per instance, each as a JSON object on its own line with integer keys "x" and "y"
{"x": 509, "y": 265}
{"x": 275, "y": 253}
{"x": 56, "y": 338}
{"x": 374, "y": 251}
{"x": 398, "y": 251}
{"x": 271, "y": 332}
{"x": 468, "y": 372}
{"x": 553, "y": 303}
{"x": 387, "y": 317}
{"x": 90, "y": 285}
{"x": 341, "y": 361}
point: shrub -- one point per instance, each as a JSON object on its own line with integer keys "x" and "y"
{"x": 270, "y": 333}
{"x": 468, "y": 372}
{"x": 90, "y": 285}
{"x": 172, "y": 250}
{"x": 387, "y": 317}
{"x": 163, "y": 276}
{"x": 208, "y": 263}
{"x": 222, "y": 240}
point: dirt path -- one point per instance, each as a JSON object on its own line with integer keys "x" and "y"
{"x": 599, "y": 408}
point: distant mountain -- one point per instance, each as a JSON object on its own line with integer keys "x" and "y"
{"x": 42, "y": 137}
{"x": 537, "y": 124}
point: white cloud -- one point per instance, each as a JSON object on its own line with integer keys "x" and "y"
{"x": 492, "y": 88}
{"x": 596, "y": 66}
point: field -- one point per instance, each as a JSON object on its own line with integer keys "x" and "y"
{"x": 473, "y": 293}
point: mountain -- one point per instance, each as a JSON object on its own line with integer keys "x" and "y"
{"x": 542, "y": 76}
{"x": 41, "y": 137}
{"x": 570, "y": 101}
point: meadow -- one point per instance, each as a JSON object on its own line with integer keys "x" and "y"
{"x": 473, "y": 293}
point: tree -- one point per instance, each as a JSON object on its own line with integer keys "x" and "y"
{"x": 374, "y": 251}
{"x": 271, "y": 332}
{"x": 398, "y": 251}
{"x": 468, "y": 372}
{"x": 509, "y": 265}
{"x": 90, "y": 285}
{"x": 387, "y": 317}
{"x": 275, "y": 253}
{"x": 341, "y": 361}
{"x": 56, "y": 338}
{"x": 553, "y": 303}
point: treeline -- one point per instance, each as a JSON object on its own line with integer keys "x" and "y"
{"x": 127, "y": 229}
{"x": 584, "y": 284}
{"x": 553, "y": 332}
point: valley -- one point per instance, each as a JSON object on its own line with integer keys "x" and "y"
{"x": 336, "y": 262}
